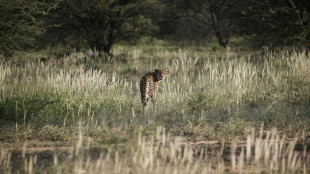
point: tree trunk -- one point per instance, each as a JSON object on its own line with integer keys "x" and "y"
{"x": 223, "y": 41}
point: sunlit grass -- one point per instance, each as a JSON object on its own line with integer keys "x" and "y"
{"x": 89, "y": 106}
{"x": 163, "y": 153}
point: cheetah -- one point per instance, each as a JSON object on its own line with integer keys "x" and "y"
{"x": 149, "y": 87}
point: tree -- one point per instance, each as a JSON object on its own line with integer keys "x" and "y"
{"x": 275, "y": 23}
{"x": 101, "y": 23}
{"x": 20, "y": 24}
{"x": 204, "y": 18}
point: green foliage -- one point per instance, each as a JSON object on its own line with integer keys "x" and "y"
{"x": 200, "y": 101}
{"x": 197, "y": 20}
{"x": 275, "y": 23}
{"x": 35, "y": 109}
{"x": 98, "y": 24}
{"x": 20, "y": 23}
{"x": 263, "y": 23}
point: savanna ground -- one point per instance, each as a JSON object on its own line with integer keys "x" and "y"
{"x": 217, "y": 112}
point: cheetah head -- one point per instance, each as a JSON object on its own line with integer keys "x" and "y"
{"x": 160, "y": 74}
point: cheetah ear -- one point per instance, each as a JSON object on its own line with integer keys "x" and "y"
{"x": 156, "y": 70}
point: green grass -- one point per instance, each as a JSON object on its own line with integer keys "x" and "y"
{"x": 67, "y": 111}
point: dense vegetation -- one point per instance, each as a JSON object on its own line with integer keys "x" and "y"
{"x": 211, "y": 98}
{"x": 98, "y": 24}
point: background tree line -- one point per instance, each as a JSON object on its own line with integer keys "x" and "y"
{"x": 98, "y": 24}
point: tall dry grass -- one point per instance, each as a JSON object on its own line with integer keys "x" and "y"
{"x": 206, "y": 96}
{"x": 163, "y": 153}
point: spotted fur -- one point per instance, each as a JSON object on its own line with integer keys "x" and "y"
{"x": 149, "y": 87}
